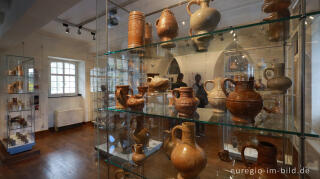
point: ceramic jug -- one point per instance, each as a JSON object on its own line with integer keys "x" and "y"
{"x": 243, "y": 103}
{"x": 122, "y": 95}
{"x": 136, "y": 27}
{"x": 187, "y": 103}
{"x": 267, "y": 159}
{"x": 136, "y": 102}
{"x": 138, "y": 156}
{"x": 203, "y": 20}
{"x": 187, "y": 157}
{"x": 147, "y": 33}
{"x": 167, "y": 28}
{"x": 169, "y": 143}
{"x": 216, "y": 96}
{"x": 158, "y": 84}
{"x": 142, "y": 90}
{"x": 278, "y": 82}
{"x": 141, "y": 134}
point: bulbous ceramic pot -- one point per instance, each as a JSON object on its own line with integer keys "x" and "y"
{"x": 270, "y": 6}
{"x": 147, "y": 33}
{"x": 141, "y": 134}
{"x": 203, "y": 20}
{"x": 243, "y": 103}
{"x": 136, "y": 102}
{"x": 187, "y": 157}
{"x": 187, "y": 103}
{"x": 216, "y": 96}
{"x": 278, "y": 82}
{"x": 122, "y": 95}
{"x": 167, "y": 28}
{"x": 267, "y": 159}
{"x": 138, "y": 156}
{"x": 158, "y": 84}
{"x": 136, "y": 27}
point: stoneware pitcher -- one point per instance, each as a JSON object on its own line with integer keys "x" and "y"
{"x": 216, "y": 96}
{"x": 243, "y": 103}
{"x": 167, "y": 28}
{"x": 278, "y": 82}
{"x": 187, "y": 157}
{"x": 203, "y": 20}
{"x": 138, "y": 155}
{"x": 187, "y": 103}
{"x": 122, "y": 95}
{"x": 267, "y": 159}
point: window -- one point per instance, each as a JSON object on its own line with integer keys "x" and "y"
{"x": 31, "y": 78}
{"x": 97, "y": 78}
{"x": 63, "y": 78}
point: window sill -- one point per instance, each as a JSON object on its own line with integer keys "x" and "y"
{"x": 65, "y": 96}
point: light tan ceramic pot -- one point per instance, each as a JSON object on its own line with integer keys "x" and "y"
{"x": 216, "y": 96}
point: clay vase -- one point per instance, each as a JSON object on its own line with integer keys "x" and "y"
{"x": 187, "y": 157}
{"x": 243, "y": 103}
{"x": 141, "y": 134}
{"x": 167, "y": 28}
{"x": 122, "y": 95}
{"x": 158, "y": 84}
{"x": 20, "y": 70}
{"x": 138, "y": 156}
{"x": 267, "y": 159}
{"x": 136, "y": 27}
{"x": 278, "y": 82}
{"x": 147, "y": 33}
{"x": 216, "y": 96}
{"x": 187, "y": 103}
{"x": 142, "y": 90}
{"x": 136, "y": 102}
{"x": 204, "y": 20}
{"x": 169, "y": 144}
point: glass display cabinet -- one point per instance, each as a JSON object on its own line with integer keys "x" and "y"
{"x": 18, "y": 122}
{"x": 259, "y": 119}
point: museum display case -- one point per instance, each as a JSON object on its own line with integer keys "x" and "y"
{"x": 18, "y": 95}
{"x": 258, "y": 117}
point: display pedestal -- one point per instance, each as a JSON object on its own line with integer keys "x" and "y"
{"x": 6, "y": 158}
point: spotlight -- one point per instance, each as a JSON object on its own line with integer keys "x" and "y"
{"x": 231, "y": 32}
{"x": 79, "y": 30}
{"x": 311, "y": 17}
{"x": 93, "y": 35}
{"x": 67, "y": 28}
{"x": 183, "y": 23}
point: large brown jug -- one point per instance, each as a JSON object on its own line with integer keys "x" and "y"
{"x": 216, "y": 96}
{"x": 167, "y": 28}
{"x": 243, "y": 103}
{"x": 203, "y": 20}
{"x": 122, "y": 95}
{"x": 278, "y": 82}
{"x": 136, "y": 27}
{"x": 187, "y": 157}
{"x": 187, "y": 103}
{"x": 267, "y": 159}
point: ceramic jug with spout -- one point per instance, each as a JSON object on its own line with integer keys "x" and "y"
{"x": 279, "y": 81}
{"x": 216, "y": 96}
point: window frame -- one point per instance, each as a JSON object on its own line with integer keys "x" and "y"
{"x": 63, "y": 75}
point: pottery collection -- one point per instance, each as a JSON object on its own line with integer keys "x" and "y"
{"x": 158, "y": 84}
{"x": 136, "y": 29}
{"x": 267, "y": 159}
{"x": 141, "y": 134}
{"x": 138, "y": 155}
{"x": 204, "y": 20}
{"x": 187, "y": 103}
{"x": 187, "y": 157}
{"x": 243, "y": 103}
{"x": 122, "y": 96}
{"x": 278, "y": 9}
{"x": 279, "y": 81}
{"x": 216, "y": 96}
{"x": 15, "y": 87}
{"x": 167, "y": 28}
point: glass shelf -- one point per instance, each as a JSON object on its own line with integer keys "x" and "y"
{"x": 206, "y": 116}
{"x": 181, "y": 41}
{"x": 21, "y": 93}
{"x": 21, "y": 110}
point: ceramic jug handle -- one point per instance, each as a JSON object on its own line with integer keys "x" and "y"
{"x": 243, "y": 156}
{"x": 118, "y": 173}
{"x": 265, "y": 73}
{"x": 189, "y": 4}
{"x": 173, "y": 132}
{"x": 205, "y": 85}
{"x": 223, "y": 85}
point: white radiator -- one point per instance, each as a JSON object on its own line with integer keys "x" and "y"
{"x": 68, "y": 117}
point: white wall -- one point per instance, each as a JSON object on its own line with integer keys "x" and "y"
{"x": 40, "y": 45}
